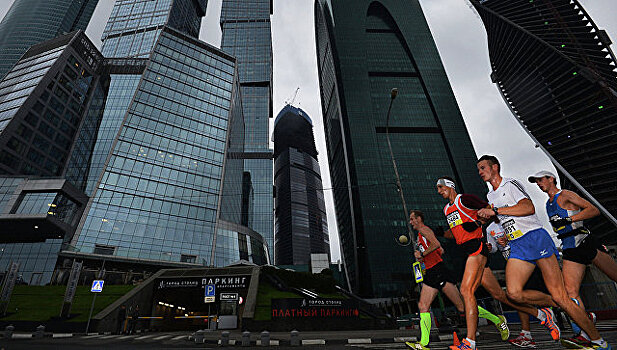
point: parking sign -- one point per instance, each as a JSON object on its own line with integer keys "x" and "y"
{"x": 210, "y": 293}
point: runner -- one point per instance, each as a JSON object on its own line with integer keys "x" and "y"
{"x": 497, "y": 241}
{"x": 461, "y": 214}
{"x": 530, "y": 245}
{"x": 566, "y": 211}
{"x": 469, "y": 205}
{"x": 437, "y": 278}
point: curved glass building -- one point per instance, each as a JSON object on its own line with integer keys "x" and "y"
{"x": 30, "y": 22}
{"x": 557, "y": 73}
{"x": 301, "y": 226}
{"x": 364, "y": 49}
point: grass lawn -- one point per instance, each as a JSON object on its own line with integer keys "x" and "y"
{"x": 40, "y": 303}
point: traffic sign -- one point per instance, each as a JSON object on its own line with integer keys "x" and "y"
{"x": 228, "y": 296}
{"x": 210, "y": 293}
{"x": 97, "y": 286}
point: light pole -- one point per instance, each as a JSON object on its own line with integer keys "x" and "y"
{"x": 410, "y": 238}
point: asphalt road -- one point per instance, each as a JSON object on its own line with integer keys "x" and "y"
{"x": 488, "y": 339}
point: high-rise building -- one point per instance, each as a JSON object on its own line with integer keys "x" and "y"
{"x": 301, "y": 226}
{"x": 169, "y": 190}
{"x": 557, "y": 73}
{"x": 52, "y": 104}
{"x": 29, "y": 22}
{"x": 246, "y": 35}
{"x": 364, "y": 49}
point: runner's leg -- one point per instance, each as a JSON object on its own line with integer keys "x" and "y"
{"x": 489, "y": 282}
{"x": 474, "y": 267}
{"x": 554, "y": 283}
{"x": 427, "y": 295}
{"x": 606, "y": 264}
{"x": 573, "y": 274}
{"x": 454, "y": 295}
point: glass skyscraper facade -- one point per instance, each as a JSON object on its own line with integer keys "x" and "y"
{"x": 301, "y": 226}
{"x": 29, "y": 22}
{"x": 556, "y": 72}
{"x": 246, "y": 35}
{"x": 364, "y": 49}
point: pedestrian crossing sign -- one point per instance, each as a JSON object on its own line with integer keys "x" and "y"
{"x": 97, "y": 286}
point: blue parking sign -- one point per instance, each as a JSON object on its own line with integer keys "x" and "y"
{"x": 210, "y": 290}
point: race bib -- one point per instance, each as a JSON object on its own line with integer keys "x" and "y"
{"x": 510, "y": 229}
{"x": 421, "y": 248}
{"x": 454, "y": 219}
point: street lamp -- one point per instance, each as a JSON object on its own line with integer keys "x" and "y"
{"x": 403, "y": 239}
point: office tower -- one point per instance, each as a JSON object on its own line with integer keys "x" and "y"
{"x": 556, "y": 72}
{"x": 247, "y": 36}
{"x": 29, "y": 22}
{"x": 300, "y": 212}
{"x": 164, "y": 195}
{"x": 364, "y": 49}
{"x": 51, "y": 107}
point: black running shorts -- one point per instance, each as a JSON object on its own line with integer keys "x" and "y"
{"x": 437, "y": 276}
{"x": 474, "y": 247}
{"x": 585, "y": 252}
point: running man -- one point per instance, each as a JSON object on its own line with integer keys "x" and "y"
{"x": 566, "y": 211}
{"x": 437, "y": 278}
{"x": 470, "y": 228}
{"x": 497, "y": 241}
{"x": 461, "y": 215}
{"x": 530, "y": 245}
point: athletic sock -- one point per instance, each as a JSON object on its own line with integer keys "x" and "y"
{"x": 526, "y": 334}
{"x": 600, "y": 342}
{"x": 483, "y": 313}
{"x": 472, "y": 343}
{"x": 425, "y": 327}
{"x": 541, "y": 316}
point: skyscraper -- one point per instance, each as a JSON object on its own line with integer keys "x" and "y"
{"x": 300, "y": 212}
{"x": 29, "y": 22}
{"x": 247, "y": 36}
{"x": 556, "y": 71}
{"x": 364, "y": 49}
{"x": 169, "y": 187}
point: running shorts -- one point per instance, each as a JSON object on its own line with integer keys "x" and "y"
{"x": 474, "y": 247}
{"x": 586, "y": 251}
{"x": 533, "y": 245}
{"x": 437, "y": 276}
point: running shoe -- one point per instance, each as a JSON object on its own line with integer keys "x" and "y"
{"x": 523, "y": 342}
{"x": 549, "y": 323}
{"x": 463, "y": 346}
{"x": 416, "y": 345}
{"x": 504, "y": 331}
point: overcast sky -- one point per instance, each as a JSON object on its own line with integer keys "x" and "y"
{"x": 461, "y": 41}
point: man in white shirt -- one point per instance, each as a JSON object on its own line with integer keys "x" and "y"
{"x": 530, "y": 245}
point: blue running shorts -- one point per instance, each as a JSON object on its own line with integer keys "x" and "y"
{"x": 534, "y": 245}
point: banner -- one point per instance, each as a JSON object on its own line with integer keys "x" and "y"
{"x": 7, "y": 287}
{"x": 71, "y": 287}
{"x": 314, "y": 308}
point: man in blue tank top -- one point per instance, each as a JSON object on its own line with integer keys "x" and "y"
{"x": 566, "y": 211}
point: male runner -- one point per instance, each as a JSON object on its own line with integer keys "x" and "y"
{"x": 461, "y": 213}
{"x": 566, "y": 211}
{"x": 437, "y": 278}
{"x": 530, "y": 245}
{"x": 497, "y": 241}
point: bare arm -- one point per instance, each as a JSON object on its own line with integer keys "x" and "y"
{"x": 588, "y": 210}
{"x": 524, "y": 207}
{"x": 430, "y": 236}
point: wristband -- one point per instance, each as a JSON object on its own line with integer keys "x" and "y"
{"x": 495, "y": 210}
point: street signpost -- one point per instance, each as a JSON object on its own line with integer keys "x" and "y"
{"x": 97, "y": 287}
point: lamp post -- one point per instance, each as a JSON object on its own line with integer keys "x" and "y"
{"x": 410, "y": 238}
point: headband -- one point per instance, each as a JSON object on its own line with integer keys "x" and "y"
{"x": 446, "y": 182}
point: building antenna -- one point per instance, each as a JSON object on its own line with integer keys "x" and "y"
{"x": 291, "y": 101}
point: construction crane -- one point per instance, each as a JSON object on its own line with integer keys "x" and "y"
{"x": 290, "y": 102}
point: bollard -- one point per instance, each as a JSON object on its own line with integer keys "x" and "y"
{"x": 265, "y": 338}
{"x": 8, "y": 331}
{"x": 224, "y": 338}
{"x": 246, "y": 338}
{"x": 40, "y": 332}
{"x": 199, "y": 336}
{"x": 294, "y": 340}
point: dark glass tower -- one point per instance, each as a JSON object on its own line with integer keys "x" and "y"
{"x": 29, "y": 22}
{"x": 247, "y": 36}
{"x": 557, "y": 73}
{"x": 364, "y": 49}
{"x": 300, "y": 220}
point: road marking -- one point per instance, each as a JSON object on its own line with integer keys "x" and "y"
{"x": 359, "y": 341}
{"x": 404, "y": 339}
{"x": 22, "y": 336}
{"x": 110, "y": 336}
{"x": 162, "y": 337}
{"x": 126, "y": 337}
{"x": 180, "y": 337}
{"x": 145, "y": 337}
{"x": 62, "y": 335}
{"x": 313, "y": 342}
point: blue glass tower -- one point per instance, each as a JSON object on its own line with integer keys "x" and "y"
{"x": 247, "y": 36}
{"x": 168, "y": 184}
{"x": 29, "y": 22}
